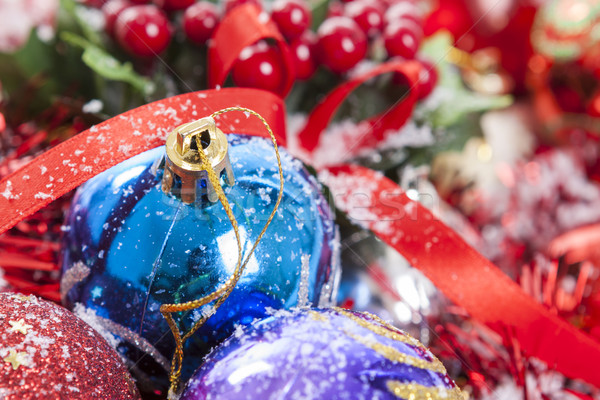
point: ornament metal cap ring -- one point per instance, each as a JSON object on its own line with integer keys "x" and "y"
{"x": 183, "y": 164}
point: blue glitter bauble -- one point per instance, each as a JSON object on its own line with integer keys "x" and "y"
{"x": 321, "y": 354}
{"x": 129, "y": 247}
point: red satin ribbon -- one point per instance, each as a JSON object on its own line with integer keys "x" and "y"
{"x": 391, "y": 119}
{"x": 243, "y": 26}
{"x": 461, "y": 273}
{"x": 71, "y": 163}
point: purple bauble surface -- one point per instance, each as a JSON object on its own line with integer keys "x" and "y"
{"x": 321, "y": 354}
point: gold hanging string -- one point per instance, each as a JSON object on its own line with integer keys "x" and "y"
{"x": 222, "y": 292}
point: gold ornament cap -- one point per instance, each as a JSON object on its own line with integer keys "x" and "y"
{"x": 184, "y": 166}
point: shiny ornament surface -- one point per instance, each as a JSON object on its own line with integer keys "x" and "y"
{"x": 49, "y": 353}
{"x": 321, "y": 354}
{"x": 129, "y": 247}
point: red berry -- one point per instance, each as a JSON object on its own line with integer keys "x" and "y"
{"x": 144, "y": 31}
{"x": 367, "y": 14}
{"x": 403, "y": 9}
{"x": 303, "y": 55}
{"x": 408, "y": 16}
{"x": 335, "y": 9}
{"x": 342, "y": 44}
{"x": 140, "y": 1}
{"x": 259, "y": 66}
{"x": 174, "y": 5}
{"x": 231, "y": 4}
{"x": 400, "y": 41}
{"x": 291, "y": 16}
{"x": 199, "y": 21}
{"x": 428, "y": 77}
{"x": 111, "y": 11}
{"x": 414, "y": 23}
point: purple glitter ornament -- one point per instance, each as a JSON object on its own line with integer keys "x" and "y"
{"x": 321, "y": 354}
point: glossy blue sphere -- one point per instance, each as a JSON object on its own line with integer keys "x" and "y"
{"x": 128, "y": 248}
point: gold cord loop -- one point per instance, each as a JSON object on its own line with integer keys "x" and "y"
{"x": 222, "y": 292}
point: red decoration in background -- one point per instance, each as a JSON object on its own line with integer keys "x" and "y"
{"x": 469, "y": 23}
{"x": 452, "y": 15}
{"x": 244, "y": 26}
{"x": 559, "y": 107}
{"x": 578, "y": 245}
{"x": 563, "y": 74}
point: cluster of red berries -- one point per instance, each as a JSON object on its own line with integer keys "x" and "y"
{"x": 340, "y": 42}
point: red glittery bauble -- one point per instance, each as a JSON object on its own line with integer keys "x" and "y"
{"x": 46, "y": 352}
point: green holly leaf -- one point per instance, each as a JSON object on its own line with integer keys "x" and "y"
{"x": 318, "y": 10}
{"x": 452, "y": 100}
{"x": 79, "y": 14}
{"x": 36, "y": 74}
{"x": 107, "y": 66}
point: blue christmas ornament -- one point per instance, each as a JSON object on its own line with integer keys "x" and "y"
{"x": 149, "y": 231}
{"x": 321, "y": 354}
